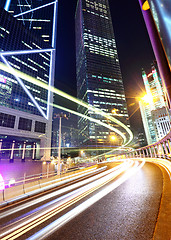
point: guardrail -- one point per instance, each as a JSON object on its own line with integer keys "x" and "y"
{"x": 160, "y": 149}
{"x": 36, "y": 182}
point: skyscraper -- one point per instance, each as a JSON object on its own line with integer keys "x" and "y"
{"x": 152, "y": 104}
{"x": 99, "y": 79}
{"x": 26, "y": 76}
{"x": 39, "y": 22}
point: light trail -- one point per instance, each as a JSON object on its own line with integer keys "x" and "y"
{"x": 39, "y": 217}
{"x": 37, "y": 82}
{"x": 162, "y": 162}
{"x": 54, "y": 226}
{"x": 92, "y": 120}
{"x": 58, "y": 192}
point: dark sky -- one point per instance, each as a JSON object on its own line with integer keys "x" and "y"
{"x": 134, "y": 49}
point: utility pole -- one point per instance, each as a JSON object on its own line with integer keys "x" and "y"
{"x": 60, "y": 116}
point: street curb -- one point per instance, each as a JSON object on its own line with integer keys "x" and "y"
{"x": 163, "y": 226}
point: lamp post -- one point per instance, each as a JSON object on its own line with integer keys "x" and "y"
{"x": 60, "y": 116}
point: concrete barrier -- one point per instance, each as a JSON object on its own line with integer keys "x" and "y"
{"x": 17, "y": 191}
{"x": 29, "y": 187}
{"x": 13, "y": 192}
{"x": 1, "y": 195}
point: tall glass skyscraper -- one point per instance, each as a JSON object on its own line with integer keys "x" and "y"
{"x": 99, "y": 79}
{"x": 39, "y": 22}
{"x": 152, "y": 103}
{"x": 26, "y": 76}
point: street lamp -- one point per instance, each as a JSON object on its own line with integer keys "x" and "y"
{"x": 113, "y": 138}
{"x": 148, "y": 98}
{"x": 60, "y": 116}
{"x": 115, "y": 111}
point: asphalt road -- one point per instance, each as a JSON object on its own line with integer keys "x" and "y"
{"x": 129, "y": 212}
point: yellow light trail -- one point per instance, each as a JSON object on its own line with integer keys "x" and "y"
{"x": 92, "y": 119}
{"x": 21, "y": 228}
{"x": 71, "y": 98}
{"x": 54, "y": 226}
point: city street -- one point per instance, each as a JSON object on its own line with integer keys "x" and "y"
{"x": 113, "y": 210}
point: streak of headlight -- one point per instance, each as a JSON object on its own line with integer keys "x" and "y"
{"x": 67, "y": 96}
{"x": 39, "y": 218}
{"x": 92, "y": 120}
{"x": 54, "y": 226}
{"x": 56, "y": 193}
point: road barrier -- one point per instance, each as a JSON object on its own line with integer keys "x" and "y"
{"x": 28, "y": 186}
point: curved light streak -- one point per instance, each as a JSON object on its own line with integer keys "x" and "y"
{"x": 92, "y": 120}
{"x": 54, "y": 226}
{"x": 67, "y": 200}
{"x": 73, "y": 99}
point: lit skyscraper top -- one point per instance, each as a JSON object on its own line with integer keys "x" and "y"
{"x": 153, "y": 101}
{"x": 99, "y": 79}
{"x": 38, "y": 21}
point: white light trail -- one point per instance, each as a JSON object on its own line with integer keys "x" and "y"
{"x": 58, "y": 192}
{"x": 23, "y": 86}
{"x": 54, "y": 226}
{"x": 65, "y": 201}
{"x": 73, "y": 99}
{"x": 92, "y": 120}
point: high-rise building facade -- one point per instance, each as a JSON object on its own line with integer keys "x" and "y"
{"x": 99, "y": 79}
{"x": 26, "y": 76}
{"x": 39, "y": 22}
{"x": 162, "y": 122}
{"x": 147, "y": 122}
{"x": 153, "y": 102}
{"x": 153, "y": 87}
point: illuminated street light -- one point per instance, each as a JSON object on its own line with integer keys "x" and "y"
{"x": 113, "y": 138}
{"x": 148, "y": 98}
{"x": 114, "y": 111}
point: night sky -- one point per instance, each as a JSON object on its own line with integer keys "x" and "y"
{"x": 134, "y": 49}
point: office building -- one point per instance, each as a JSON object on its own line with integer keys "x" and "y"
{"x": 153, "y": 103}
{"x": 154, "y": 88}
{"x": 99, "y": 79}
{"x": 39, "y": 22}
{"x": 149, "y": 128}
{"x": 161, "y": 120}
{"x": 26, "y": 63}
